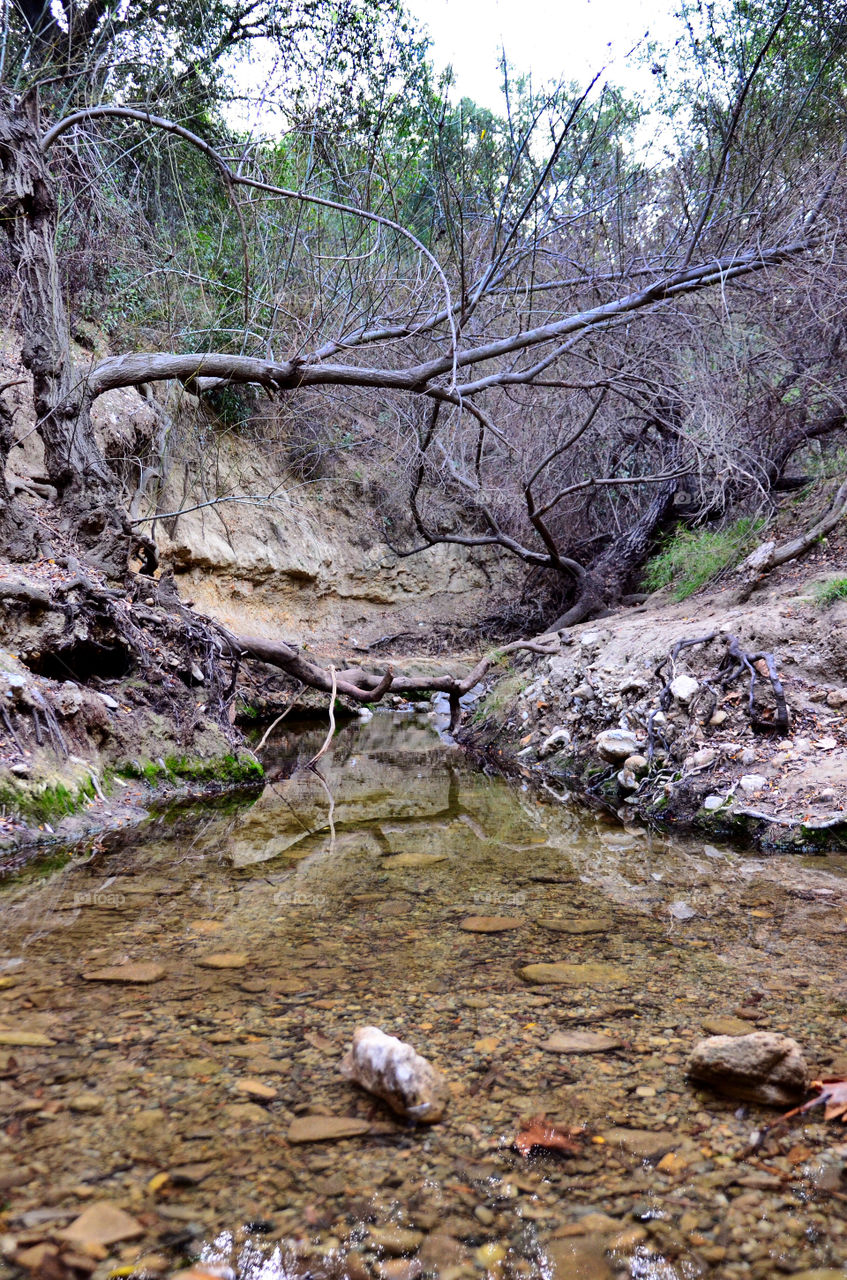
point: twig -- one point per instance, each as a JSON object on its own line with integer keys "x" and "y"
{"x": 278, "y": 720}
{"x": 328, "y": 739}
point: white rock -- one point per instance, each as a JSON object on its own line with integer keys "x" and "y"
{"x": 684, "y": 688}
{"x": 617, "y": 744}
{"x": 701, "y": 759}
{"x": 583, "y": 690}
{"x": 109, "y": 701}
{"x": 627, "y": 780}
{"x": 395, "y": 1072}
{"x": 711, "y": 803}
{"x": 752, "y": 782}
{"x": 748, "y": 756}
{"x": 560, "y": 737}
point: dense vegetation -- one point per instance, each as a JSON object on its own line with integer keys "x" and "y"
{"x": 563, "y": 330}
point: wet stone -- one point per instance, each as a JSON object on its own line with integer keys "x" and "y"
{"x": 576, "y": 924}
{"x": 26, "y": 1039}
{"x": 580, "y": 1042}
{"x": 581, "y": 1258}
{"x": 490, "y": 924}
{"x": 326, "y": 1128}
{"x": 102, "y": 1223}
{"x": 140, "y": 972}
{"x": 398, "y": 861}
{"x": 592, "y": 974}
{"x": 395, "y": 1240}
{"x": 644, "y": 1144}
{"x": 224, "y": 960}
{"x": 726, "y": 1026}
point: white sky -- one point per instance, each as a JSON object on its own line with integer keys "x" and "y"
{"x": 552, "y": 39}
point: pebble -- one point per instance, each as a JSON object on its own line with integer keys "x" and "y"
{"x": 102, "y": 1223}
{"x": 86, "y": 1102}
{"x": 326, "y": 1128}
{"x": 582, "y": 1258}
{"x": 395, "y": 1240}
{"x": 255, "y": 1089}
{"x": 397, "y": 861}
{"x": 643, "y": 1143}
{"x": 490, "y": 924}
{"x": 576, "y": 925}
{"x": 399, "y": 1269}
{"x": 224, "y": 960}
{"x": 580, "y": 1042}
{"x": 26, "y": 1039}
{"x": 726, "y": 1026}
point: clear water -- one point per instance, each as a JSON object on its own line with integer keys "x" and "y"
{"x": 144, "y": 1101}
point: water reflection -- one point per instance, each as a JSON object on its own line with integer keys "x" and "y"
{"x": 277, "y": 933}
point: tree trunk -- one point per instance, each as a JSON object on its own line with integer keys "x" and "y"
{"x": 606, "y": 581}
{"x": 91, "y": 511}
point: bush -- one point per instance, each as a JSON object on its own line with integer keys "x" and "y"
{"x": 826, "y": 593}
{"x": 690, "y": 557}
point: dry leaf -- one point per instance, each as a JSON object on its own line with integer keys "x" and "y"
{"x": 541, "y": 1132}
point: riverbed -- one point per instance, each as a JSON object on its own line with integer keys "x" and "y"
{"x": 173, "y": 999}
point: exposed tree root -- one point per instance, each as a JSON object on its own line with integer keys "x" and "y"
{"x": 734, "y": 662}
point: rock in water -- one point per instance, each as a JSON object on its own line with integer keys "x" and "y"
{"x": 394, "y": 1072}
{"x": 762, "y": 1067}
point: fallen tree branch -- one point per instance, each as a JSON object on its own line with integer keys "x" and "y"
{"x": 770, "y": 555}
{"x": 365, "y": 686}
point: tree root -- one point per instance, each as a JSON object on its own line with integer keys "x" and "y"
{"x": 734, "y": 662}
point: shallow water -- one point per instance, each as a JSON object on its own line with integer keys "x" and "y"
{"x": 141, "y": 1100}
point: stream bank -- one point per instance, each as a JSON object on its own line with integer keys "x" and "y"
{"x": 631, "y": 714}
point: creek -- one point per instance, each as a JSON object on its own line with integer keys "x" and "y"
{"x": 251, "y": 939}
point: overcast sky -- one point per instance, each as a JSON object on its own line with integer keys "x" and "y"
{"x": 552, "y": 39}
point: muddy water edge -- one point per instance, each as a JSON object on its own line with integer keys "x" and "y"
{"x": 249, "y": 943}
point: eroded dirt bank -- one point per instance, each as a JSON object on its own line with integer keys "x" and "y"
{"x": 631, "y": 715}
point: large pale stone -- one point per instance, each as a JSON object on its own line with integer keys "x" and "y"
{"x": 762, "y": 1067}
{"x": 395, "y": 1072}
{"x": 617, "y": 744}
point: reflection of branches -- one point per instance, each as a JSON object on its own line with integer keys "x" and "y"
{"x": 330, "y": 817}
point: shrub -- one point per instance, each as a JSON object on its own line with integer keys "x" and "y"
{"x": 826, "y": 593}
{"x": 690, "y": 557}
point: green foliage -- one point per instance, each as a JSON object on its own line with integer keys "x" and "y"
{"x": 829, "y": 592}
{"x": 690, "y": 557}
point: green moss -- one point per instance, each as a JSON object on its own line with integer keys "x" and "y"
{"x": 229, "y": 770}
{"x": 48, "y": 803}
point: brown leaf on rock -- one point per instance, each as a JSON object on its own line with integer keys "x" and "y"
{"x": 541, "y": 1132}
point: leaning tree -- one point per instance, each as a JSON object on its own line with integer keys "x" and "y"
{"x": 521, "y": 301}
